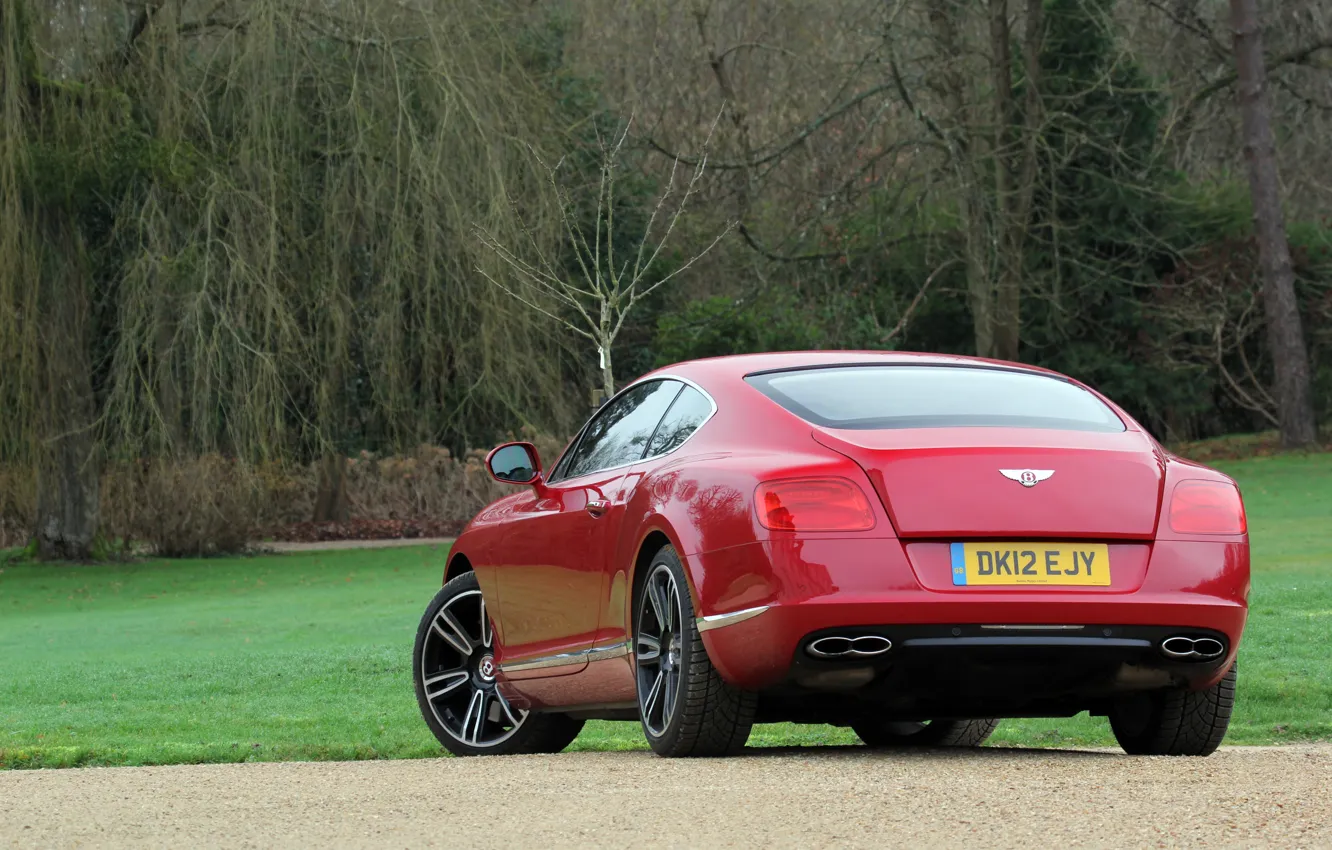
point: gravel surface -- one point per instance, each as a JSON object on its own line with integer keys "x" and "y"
{"x": 781, "y": 798}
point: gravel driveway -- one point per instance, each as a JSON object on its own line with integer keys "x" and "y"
{"x": 784, "y": 798}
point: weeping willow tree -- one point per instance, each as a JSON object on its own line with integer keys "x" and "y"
{"x": 244, "y": 227}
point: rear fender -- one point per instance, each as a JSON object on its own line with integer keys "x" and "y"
{"x": 700, "y": 509}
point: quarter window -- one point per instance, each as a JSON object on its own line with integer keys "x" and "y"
{"x": 690, "y": 410}
{"x": 620, "y": 431}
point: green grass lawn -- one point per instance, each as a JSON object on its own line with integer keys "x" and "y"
{"x": 307, "y": 656}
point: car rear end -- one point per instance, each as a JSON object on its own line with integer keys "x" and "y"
{"x": 1005, "y": 543}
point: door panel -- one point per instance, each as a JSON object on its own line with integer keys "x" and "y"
{"x": 551, "y": 564}
{"x": 550, "y": 576}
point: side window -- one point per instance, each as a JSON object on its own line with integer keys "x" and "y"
{"x": 690, "y": 410}
{"x": 620, "y": 431}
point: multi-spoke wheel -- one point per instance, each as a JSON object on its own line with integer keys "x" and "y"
{"x": 454, "y": 667}
{"x": 686, "y": 708}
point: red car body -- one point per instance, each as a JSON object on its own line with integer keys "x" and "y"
{"x": 557, "y": 562}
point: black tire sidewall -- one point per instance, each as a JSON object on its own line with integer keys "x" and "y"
{"x": 667, "y": 557}
{"x": 1177, "y": 723}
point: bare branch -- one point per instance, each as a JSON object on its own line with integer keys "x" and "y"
{"x": 915, "y": 302}
{"x": 542, "y": 310}
{"x": 635, "y": 298}
{"x": 1299, "y": 56}
{"x": 1196, "y": 26}
{"x": 799, "y": 138}
{"x": 753, "y": 45}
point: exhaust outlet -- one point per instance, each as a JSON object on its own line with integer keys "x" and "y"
{"x": 858, "y": 646}
{"x": 1182, "y": 648}
{"x": 1208, "y": 647}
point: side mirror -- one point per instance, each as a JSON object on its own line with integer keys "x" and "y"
{"x": 514, "y": 463}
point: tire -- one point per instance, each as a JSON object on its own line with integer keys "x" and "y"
{"x": 685, "y": 707}
{"x": 1176, "y": 722}
{"x": 934, "y": 733}
{"x": 455, "y": 689}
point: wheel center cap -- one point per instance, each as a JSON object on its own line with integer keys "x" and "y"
{"x": 486, "y": 669}
{"x": 672, "y": 653}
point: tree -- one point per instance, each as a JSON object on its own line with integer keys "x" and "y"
{"x": 48, "y": 284}
{"x": 1285, "y": 333}
{"x": 242, "y": 228}
{"x": 594, "y": 297}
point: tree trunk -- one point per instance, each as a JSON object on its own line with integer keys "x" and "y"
{"x": 980, "y": 288}
{"x": 952, "y": 85}
{"x": 1015, "y": 160}
{"x": 604, "y": 341}
{"x": 1005, "y": 325}
{"x": 68, "y": 471}
{"x": 1285, "y": 333}
{"x": 331, "y": 503}
{"x": 68, "y": 499}
{"x": 607, "y": 377}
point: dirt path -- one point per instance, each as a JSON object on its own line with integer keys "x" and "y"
{"x": 332, "y": 545}
{"x": 783, "y": 798}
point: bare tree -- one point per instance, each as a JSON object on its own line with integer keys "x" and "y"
{"x": 595, "y": 299}
{"x": 1285, "y": 333}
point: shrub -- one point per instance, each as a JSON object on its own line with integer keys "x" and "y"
{"x": 211, "y": 504}
{"x": 183, "y": 507}
{"x": 429, "y": 482}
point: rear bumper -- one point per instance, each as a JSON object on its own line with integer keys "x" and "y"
{"x": 991, "y": 671}
{"x": 814, "y": 586}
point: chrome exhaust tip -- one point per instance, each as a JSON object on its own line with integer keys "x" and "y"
{"x": 1183, "y": 648}
{"x": 1208, "y": 647}
{"x": 840, "y": 646}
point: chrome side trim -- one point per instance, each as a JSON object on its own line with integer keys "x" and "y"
{"x": 717, "y": 621}
{"x": 606, "y": 653}
{"x": 565, "y": 659}
{"x": 1021, "y": 628}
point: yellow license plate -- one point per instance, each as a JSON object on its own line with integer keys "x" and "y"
{"x": 1069, "y": 564}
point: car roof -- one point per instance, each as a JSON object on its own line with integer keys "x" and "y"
{"x": 736, "y": 366}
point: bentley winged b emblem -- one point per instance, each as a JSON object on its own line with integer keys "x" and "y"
{"x": 1027, "y": 477}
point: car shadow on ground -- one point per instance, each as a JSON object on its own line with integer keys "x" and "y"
{"x": 836, "y": 751}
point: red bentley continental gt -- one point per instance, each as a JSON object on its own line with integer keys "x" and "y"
{"x": 913, "y": 546}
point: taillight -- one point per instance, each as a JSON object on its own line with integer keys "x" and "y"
{"x": 813, "y": 504}
{"x": 1207, "y": 507}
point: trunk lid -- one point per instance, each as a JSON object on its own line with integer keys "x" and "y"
{"x": 947, "y": 482}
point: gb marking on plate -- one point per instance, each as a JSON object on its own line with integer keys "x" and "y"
{"x": 959, "y": 556}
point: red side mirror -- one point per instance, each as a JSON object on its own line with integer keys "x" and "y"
{"x": 514, "y": 463}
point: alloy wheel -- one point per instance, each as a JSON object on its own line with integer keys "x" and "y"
{"x": 458, "y": 673}
{"x": 658, "y": 649}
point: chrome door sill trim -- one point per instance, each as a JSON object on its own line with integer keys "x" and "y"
{"x": 564, "y": 659}
{"x": 605, "y": 653}
{"x": 717, "y": 621}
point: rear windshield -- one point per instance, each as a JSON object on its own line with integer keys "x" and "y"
{"x": 875, "y": 397}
